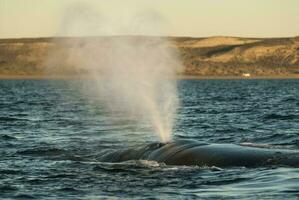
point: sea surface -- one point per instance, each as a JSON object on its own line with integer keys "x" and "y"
{"x": 52, "y": 136}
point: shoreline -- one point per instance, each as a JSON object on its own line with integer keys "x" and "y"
{"x": 189, "y": 77}
{"x": 179, "y": 77}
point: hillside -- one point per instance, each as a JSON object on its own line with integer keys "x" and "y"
{"x": 213, "y": 56}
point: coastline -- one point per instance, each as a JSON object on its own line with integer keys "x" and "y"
{"x": 191, "y": 77}
{"x": 202, "y": 58}
{"x": 179, "y": 77}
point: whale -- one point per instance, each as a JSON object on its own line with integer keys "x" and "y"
{"x": 191, "y": 152}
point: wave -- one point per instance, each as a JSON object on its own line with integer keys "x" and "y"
{"x": 42, "y": 152}
{"x": 16, "y": 119}
{"x": 280, "y": 117}
{"x": 9, "y": 119}
{"x": 7, "y": 137}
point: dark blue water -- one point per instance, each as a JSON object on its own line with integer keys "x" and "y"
{"x": 52, "y": 136}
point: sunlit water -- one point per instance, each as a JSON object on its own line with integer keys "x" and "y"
{"x": 51, "y": 138}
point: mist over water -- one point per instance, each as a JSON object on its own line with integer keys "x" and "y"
{"x": 134, "y": 75}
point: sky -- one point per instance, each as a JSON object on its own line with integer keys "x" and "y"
{"x": 196, "y": 18}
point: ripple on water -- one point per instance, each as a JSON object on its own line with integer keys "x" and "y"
{"x": 51, "y": 138}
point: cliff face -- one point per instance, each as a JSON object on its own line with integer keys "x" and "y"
{"x": 235, "y": 56}
{"x": 214, "y": 56}
{"x": 22, "y": 57}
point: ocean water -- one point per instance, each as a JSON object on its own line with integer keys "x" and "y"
{"x": 52, "y": 136}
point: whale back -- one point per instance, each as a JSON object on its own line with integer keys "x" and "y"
{"x": 190, "y": 152}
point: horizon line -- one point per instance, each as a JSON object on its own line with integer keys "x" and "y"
{"x": 138, "y": 35}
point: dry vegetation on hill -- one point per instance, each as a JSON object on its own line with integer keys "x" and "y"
{"x": 227, "y": 56}
{"x": 214, "y": 56}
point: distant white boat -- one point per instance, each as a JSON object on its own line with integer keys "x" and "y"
{"x": 246, "y": 75}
